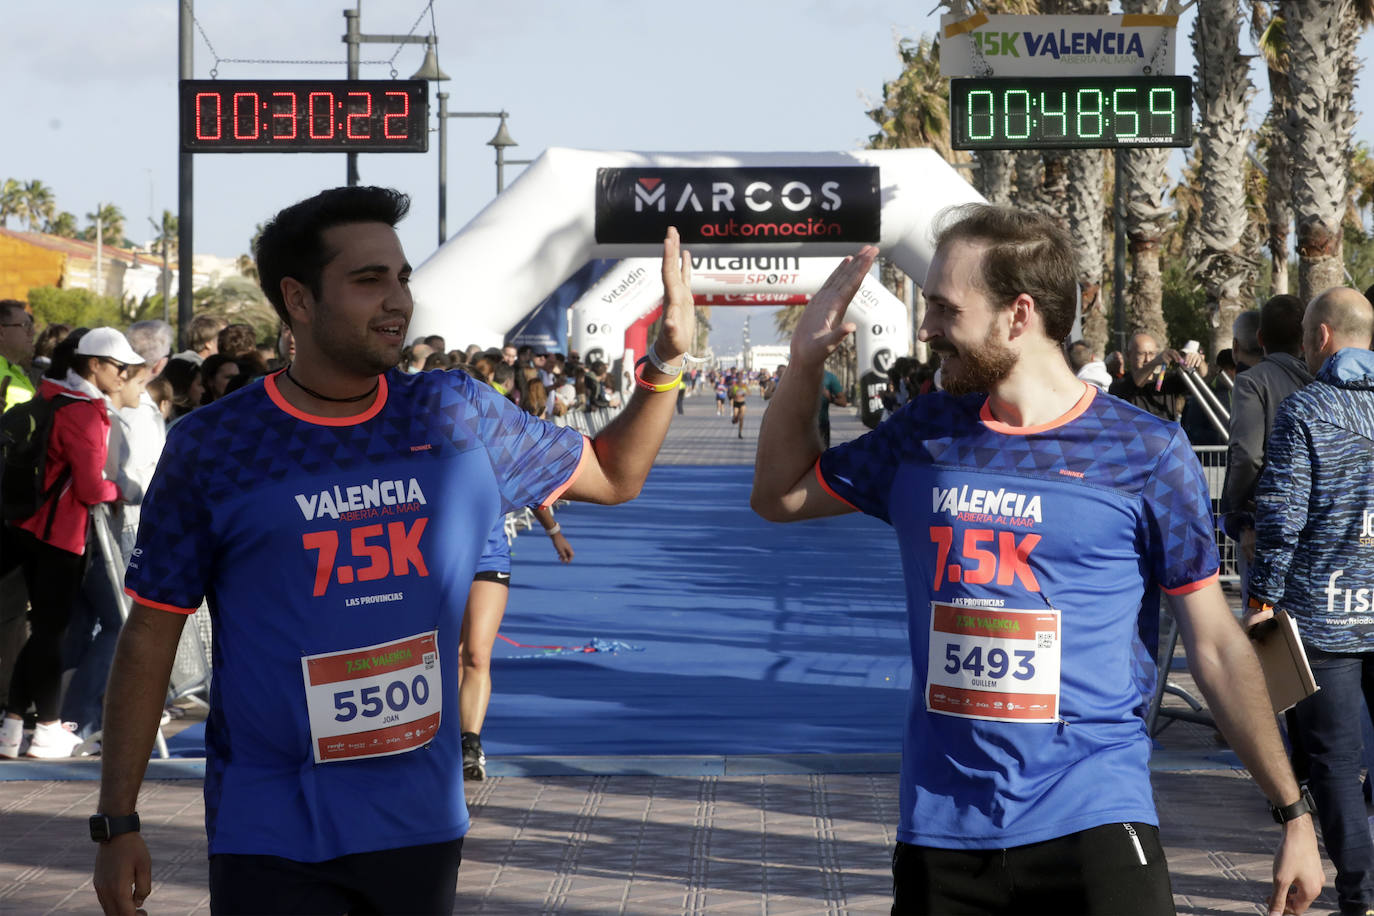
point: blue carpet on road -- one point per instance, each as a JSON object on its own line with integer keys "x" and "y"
{"x": 753, "y": 638}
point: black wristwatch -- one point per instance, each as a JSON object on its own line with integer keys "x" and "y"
{"x": 1304, "y": 805}
{"x": 105, "y": 828}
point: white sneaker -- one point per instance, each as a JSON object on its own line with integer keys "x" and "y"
{"x": 58, "y": 739}
{"x": 11, "y": 736}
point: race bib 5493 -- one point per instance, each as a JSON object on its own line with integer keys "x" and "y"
{"x": 994, "y": 663}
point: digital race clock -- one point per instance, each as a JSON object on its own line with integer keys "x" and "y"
{"x": 304, "y": 116}
{"x": 1071, "y": 112}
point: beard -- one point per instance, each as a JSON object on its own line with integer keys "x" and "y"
{"x": 979, "y": 369}
{"x": 362, "y": 354}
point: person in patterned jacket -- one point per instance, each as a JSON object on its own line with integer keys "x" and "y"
{"x": 1314, "y": 538}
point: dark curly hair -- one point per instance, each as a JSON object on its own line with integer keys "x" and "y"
{"x": 292, "y": 243}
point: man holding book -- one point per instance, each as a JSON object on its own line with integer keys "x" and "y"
{"x": 1314, "y": 532}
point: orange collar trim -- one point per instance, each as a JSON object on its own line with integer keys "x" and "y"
{"x": 274, "y": 392}
{"x": 1076, "y": 411}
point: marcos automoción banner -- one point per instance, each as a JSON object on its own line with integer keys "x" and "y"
{"x": 763, "y": 205}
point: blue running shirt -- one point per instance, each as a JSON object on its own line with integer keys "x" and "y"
{"x": 1033, "y": 559}
{"x": 336, "y": 557}
{"x": 496, "y": 551}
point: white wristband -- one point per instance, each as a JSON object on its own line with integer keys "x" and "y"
{"x": 659, "y": 364}
{"x": 554, "y": 530}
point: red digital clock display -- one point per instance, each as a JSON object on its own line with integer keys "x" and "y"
{"x": 304, "y": 116}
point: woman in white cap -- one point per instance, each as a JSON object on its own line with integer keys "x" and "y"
{"x": 85, "y": 368}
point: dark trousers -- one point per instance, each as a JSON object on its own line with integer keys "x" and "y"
{"x": 89, "y": 646}
{"x": 53, "y": 577}
{"x": 1094, "y": 871}
{"x": 418, "y": 880}
{"x": 1331, "y": 730}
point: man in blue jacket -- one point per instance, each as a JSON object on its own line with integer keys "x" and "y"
{"x": 1314, "y": 529}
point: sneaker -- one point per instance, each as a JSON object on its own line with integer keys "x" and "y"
{"x": 58, "y": 739}
{"x": 474, "y": 761}
{"x": 11, "y": 736}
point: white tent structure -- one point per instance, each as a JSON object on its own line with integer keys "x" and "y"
{"x": 541, "y": 229}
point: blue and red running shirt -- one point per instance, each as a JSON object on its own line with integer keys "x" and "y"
{"x": 336, "y": 557}
{"x": 1033, "y": 559}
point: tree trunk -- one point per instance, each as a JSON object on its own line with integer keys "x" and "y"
{"x": 1145, "y": 294}
{"x": 1223, "y": 95}
{"x": 1086, "y": 205}
{"x": 1030, "y": 176}
{"x": 1145, "y": 178}
{"x": 1319, "y": 129}
{"x": 1278, "y": 184}
{"x": 994, "y": 176}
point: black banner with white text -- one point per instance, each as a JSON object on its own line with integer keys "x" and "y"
{"x": 762, "y": 206}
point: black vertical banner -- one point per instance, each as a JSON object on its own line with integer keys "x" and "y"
{"x": 762, "y": 206}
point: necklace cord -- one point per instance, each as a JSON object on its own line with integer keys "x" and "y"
{"x": 324, "y": 397}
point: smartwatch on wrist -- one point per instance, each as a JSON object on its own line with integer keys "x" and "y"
{"x": 1304, "y": 805}
{"x": 105, "y": 828}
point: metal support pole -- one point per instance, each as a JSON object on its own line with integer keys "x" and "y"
{"x": 444, "y": 115}
{"x": 443, "y": 167}
{"x": 353, "y": 38}
{"x": 500, "y": 169}
{"x": 185, "y": 185}
{"x": 1119, "y": 253}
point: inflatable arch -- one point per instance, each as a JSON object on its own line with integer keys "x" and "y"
{"x": 632, "y": 288}
{"x": 571, "y": 206}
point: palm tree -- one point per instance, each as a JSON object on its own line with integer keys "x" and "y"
{"x": 996, "y": 167}
{"x": 1082, "y": 210}
{"x": 915, "y": 107}
{"x": 1222, "y": 266}
{"x": 63, "y": 224}
{"x": 39, "y": 202}
{"x": 1361, "y": 181}
{"x": 167, "y": 234}
{"x": 111, "y": 220}
{"x": 1268, "y": 33}
{"x": 11, "y": 201}
{"x": 1145, "y": 187}
{"x": 914, "y": 112}
{"x": 1321, "y": 37}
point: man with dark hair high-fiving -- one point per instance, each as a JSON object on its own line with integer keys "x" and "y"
{"x": 332, "y": 515}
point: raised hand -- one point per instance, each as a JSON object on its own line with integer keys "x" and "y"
{"x": 822, "y": 326}
{"x": 679, "y": 307}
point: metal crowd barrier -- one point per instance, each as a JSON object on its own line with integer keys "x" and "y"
{"x": 588, "y": 422}
{"x": 1213, "y": 461}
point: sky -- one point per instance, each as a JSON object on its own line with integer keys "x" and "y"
{"x": 88, "y": 95}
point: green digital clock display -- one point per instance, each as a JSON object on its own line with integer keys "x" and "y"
{"x": 1071, "y": 112}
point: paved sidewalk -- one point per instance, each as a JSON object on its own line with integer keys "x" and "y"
{"x": 757, "y": 835}
{"x": 766, "y": 843}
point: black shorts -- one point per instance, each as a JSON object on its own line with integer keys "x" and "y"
{"x": 1112, "y": 870}
{"x": 500, "y": 577}
{"x": 411, "y": 879}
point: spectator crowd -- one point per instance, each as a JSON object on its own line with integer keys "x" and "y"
{"x": 114, "y": 395}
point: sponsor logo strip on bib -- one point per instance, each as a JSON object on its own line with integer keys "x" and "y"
{"x": 994, "y": 663}
{"x": 374, "y": 701}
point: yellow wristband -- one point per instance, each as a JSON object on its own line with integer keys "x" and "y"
{"x": 650, "y": 386}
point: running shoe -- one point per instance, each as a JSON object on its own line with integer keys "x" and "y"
{"x": 474, "y": 761}
{"x": 57, "y": 739}
{"x": 11, "y": 737}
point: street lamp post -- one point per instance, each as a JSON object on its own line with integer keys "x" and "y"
{"x": 354, "y": 37}
{"x": 502, "y": 141}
